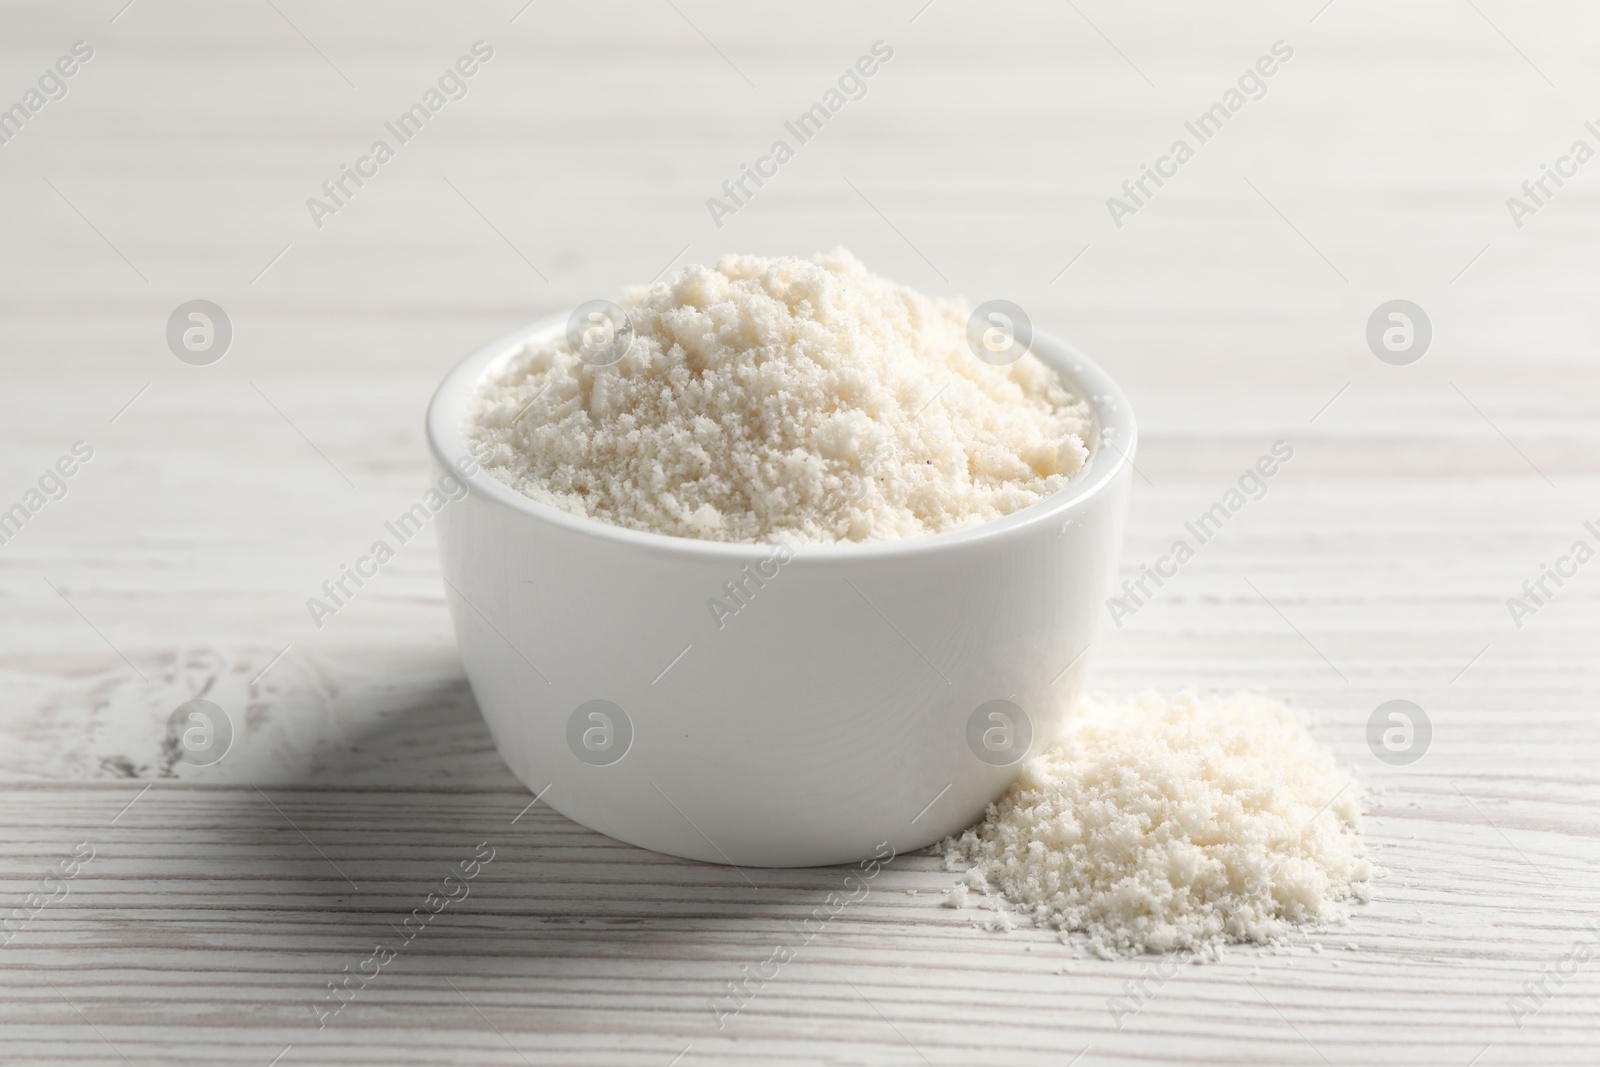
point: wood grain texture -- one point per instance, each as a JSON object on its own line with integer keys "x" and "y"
{"x": 219, "y": 905}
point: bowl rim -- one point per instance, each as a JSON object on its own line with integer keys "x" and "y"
{"x": 1115, "y": 432}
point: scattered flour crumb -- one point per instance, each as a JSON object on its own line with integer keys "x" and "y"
{"x": 957, "y": 897}
{"x": 1161, "y": 825}
{"x": 782, "y": 397}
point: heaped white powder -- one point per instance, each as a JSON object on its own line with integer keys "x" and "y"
{"x": 1154, "y": 826}
{"x": 766, "y": 397}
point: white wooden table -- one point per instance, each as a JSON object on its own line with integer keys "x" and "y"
{"x": 221, "y": 900}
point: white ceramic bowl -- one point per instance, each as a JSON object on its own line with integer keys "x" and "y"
{"x": 849, "y": 702}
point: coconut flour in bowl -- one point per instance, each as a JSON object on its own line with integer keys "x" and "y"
{"x": 764, "y": 398}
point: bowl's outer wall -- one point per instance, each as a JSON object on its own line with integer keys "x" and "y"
{"x": 825, "y": 717}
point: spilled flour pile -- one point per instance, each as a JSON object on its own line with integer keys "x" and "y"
{"x": 1157, "y": 826}
{"x": 768, "y": 397}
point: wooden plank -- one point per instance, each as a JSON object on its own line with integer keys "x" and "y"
{"x": 220, "y": 904}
